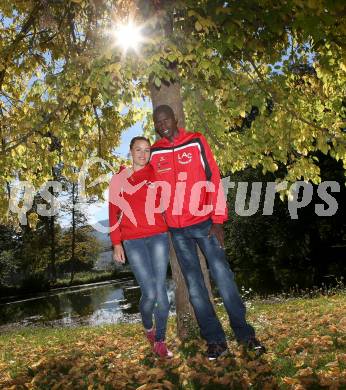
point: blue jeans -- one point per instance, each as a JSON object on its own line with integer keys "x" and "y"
{"x": 185, "y": 242}
{"x": 148, "y": 258}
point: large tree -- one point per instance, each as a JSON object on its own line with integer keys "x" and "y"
{"x": 263, "y": 80}
{"x": 62, "y": 78}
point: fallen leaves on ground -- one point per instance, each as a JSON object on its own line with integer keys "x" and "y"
{"x": 306, "y": 345}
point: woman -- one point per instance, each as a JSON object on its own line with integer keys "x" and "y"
{"x": 146, "y": 245}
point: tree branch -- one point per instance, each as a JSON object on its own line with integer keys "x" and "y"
{"x": 36, "y": 129}
{"x": 273, "y": 95}
{"x": 99, "y": 126}
{"x": 199, "y": 98}
{"x": 21, "y": 35}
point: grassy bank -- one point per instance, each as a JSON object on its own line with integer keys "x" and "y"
{"x": 85, "y": 278}
{"x": 41, "y": 284}
{"x": 306, "y": 339}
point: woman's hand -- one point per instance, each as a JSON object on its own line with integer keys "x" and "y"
{"x": 118, "y": 254}
{"x": 217, "y": 230}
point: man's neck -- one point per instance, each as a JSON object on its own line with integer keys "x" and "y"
{"x": 175, "y": 135}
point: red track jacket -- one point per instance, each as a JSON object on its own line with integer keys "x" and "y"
{"x": 189, "y": 167}
{"x": 127, "y": 203}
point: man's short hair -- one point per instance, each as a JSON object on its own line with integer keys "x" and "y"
{"x": 165, "y": 109}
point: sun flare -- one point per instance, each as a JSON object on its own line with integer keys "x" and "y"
{"x": 128, "y": 36}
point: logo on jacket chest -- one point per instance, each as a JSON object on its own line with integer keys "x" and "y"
{"x": 163, "y": 165}
{"x": 184, "y": 157}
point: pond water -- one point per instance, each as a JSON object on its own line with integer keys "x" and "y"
{"x": 93, "y": 304}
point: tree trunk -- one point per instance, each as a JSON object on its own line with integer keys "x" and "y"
{"x": 73, "y": 239}
{"x": 52, "y": 249}
{"x": 169, "y": 93}
{"x": 53, "y": 241}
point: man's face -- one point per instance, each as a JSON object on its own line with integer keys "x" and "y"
{"x": 165, "y": 125}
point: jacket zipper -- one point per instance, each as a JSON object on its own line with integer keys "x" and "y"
{"x": 175, "y": 179}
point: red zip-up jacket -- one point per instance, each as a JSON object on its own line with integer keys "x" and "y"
{"x": 188, "y": 165}
{"x": 127, "y": 199}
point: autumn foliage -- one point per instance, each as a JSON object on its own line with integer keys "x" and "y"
{"x": 263, "y": 80}
{"x": 306, "y": 340}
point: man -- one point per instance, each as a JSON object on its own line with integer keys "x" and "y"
{"x": 195, "y": 213}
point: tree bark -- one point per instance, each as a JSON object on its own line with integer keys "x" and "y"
{"x": 53, "y": 240}
{"x": 169, "y": 93}
{"x": 73, "y": 238}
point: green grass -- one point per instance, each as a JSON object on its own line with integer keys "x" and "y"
{"x": 85, "y": 278}
{"x": 306, "y": 341}
{"x": 80, "y": 278}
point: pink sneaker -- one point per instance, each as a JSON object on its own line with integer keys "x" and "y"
{"x": 160, "y": 348}
{"x": 150, "y": 334}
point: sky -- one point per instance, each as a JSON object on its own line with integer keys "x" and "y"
{"x": 99, "y": 211}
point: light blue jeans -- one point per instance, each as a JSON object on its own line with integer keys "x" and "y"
{"x": 148, "y": 258}
{"x": 185, "y": 241}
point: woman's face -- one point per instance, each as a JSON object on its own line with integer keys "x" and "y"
{"x": 140, "y": 153}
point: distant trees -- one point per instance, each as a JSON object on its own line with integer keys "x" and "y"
{"x": 9, "y": 244}
{"x": 80, "y": 250}
{"x": 271, "y": 253}
{"x": 33, "y": 257}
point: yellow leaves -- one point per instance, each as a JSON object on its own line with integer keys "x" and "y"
{"x": 325, "y": 320}
{"x": 333, "y": 329}
{"x": 334, "y": 364}
{"x": 33, "y": 220}
{"x": 76, "y": 90}
{"x": 144, "y": 387}
{"x": 324, "y": 341}
{"x": 167, "y": 384}
{"x": 157, "y": 82}
{"x": 20, "y": 150}
{"x": 201, "y": 23}
{"x": 114, "y": 67}
{"x": 341, "y": 358}
{"x": 198, "y": 26}
{"x": 108, "y": 54}
{"x": 85, "y": 100}
{"x": 327, "y": 378}
{"x": 37, "y": 364}
{"x": 157, "y": 373}
{"x": 342, "y": 324}
{"x": 342, "y": 66}
{"x": 155, "y": 386}
{"x": 289, "y": 380}
{"x": 269, "y": 165}
{"x": 297, "y": 334}
{"x": 304, "y": 372}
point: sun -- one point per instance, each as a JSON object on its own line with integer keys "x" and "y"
{"x": 128, "y": 36}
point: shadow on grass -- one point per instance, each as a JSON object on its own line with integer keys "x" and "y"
{"x": 140, "y": 369}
